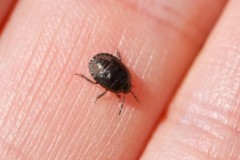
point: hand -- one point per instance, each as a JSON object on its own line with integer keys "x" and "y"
{"x": 187, "y": 80}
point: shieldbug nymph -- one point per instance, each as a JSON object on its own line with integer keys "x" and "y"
{"x": 109, "y": 71}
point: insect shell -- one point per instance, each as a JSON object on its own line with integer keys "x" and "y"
{"x": 109, "y": 71}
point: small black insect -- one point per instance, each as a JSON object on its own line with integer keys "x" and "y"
{"x": 109, "y": 71}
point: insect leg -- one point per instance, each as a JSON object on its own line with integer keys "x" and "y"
{"x": 100, "y": 95}
{"x": 123, "y": 99}
{"x": 89, "y": 80}
{"x": 119, "y": 96}
{"x": 118, "y": 54}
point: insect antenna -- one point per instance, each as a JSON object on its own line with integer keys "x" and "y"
{"x": 135, "y": 96}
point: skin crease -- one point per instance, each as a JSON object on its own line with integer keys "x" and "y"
{"x": 203, "y": 120}
{"x": 48, "y": 113}
{"x": 5, "y": 9}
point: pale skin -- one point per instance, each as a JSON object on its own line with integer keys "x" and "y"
{"x": 46, "y": 112}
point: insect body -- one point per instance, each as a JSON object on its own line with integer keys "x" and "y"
{"x": 109, "y": 71}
